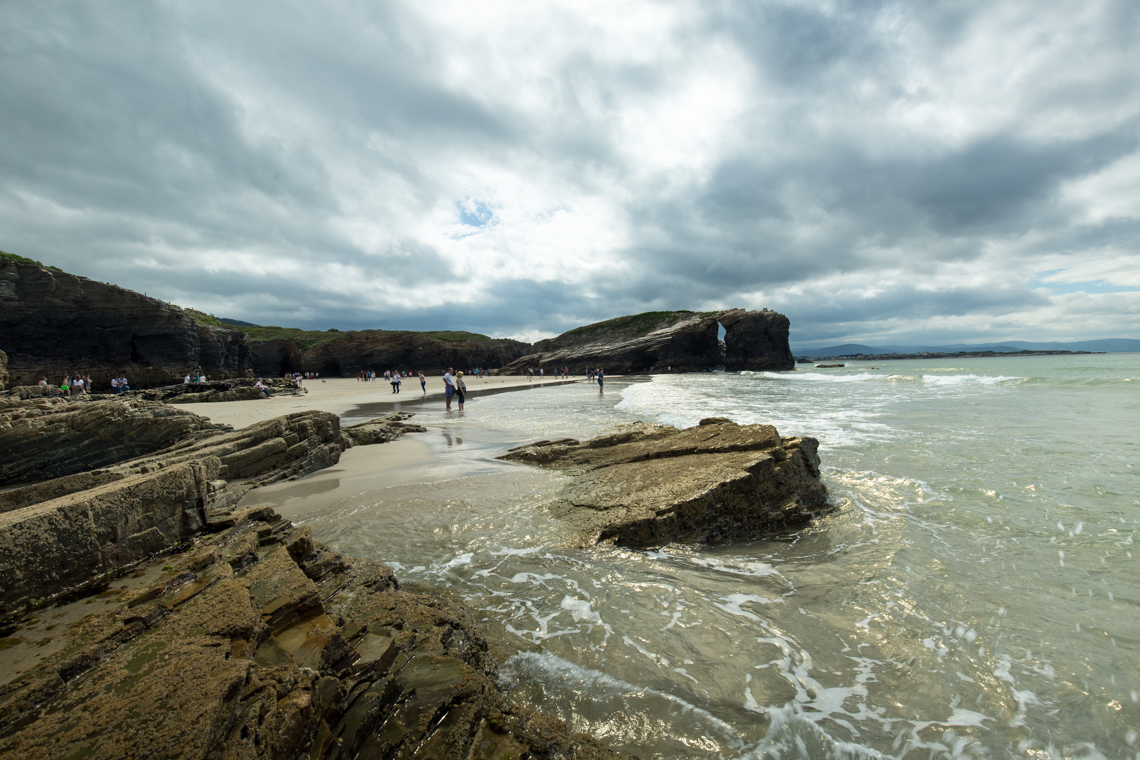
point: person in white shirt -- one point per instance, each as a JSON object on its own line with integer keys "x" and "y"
{"x": 448, "y": 388}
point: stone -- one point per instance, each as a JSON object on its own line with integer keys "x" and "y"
{"x": 654, "y": 484}
{"x": 684, "y": 341}
{"x": 265, "y": 663}
{"x": 56, "y": 437}
{"x": 77, "y": 529}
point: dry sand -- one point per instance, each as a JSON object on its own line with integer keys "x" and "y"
{"x": 342, "y": 395}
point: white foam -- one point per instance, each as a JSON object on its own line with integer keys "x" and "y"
{"x": 733, "y": 602}
{"x": 970, "y": 379}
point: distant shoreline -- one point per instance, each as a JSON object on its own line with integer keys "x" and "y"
{"x": 938, "y": 355}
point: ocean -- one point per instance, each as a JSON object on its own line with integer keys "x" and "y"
{"x": 974, "y": 593}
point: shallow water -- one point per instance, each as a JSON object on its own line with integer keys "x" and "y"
{"x": 974, "y": 595}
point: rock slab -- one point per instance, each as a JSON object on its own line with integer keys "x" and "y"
{"x": 652, "y": 484}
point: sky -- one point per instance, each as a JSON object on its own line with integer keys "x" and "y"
{"x": 881, "y": 173}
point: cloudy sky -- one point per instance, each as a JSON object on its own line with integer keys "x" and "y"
{"x": 921, "y": 171}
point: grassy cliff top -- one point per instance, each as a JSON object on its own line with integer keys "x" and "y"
{"x": 306, "y": 339}
{"x": 25, "y": 260}
{"x": 632, "y": 326}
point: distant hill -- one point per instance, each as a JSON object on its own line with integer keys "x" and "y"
{"x": 1110, "y": 345}
{"x": 236, "y": 322}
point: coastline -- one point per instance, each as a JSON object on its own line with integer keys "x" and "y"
{"x": 343, "y": 396}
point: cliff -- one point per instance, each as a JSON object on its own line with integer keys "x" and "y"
{"x": 686, "y": 341}
{"x": 53, "y": 323}
{"x": 347, "y": 353}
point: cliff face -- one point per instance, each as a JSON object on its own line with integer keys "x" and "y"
{"x": 376, "y": 350}
{"x": 3, "y": 370}
{"x": 683, "y": 340}
{"x": 53, "y": 323}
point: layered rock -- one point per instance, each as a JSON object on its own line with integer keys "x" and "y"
{"x": 349, "y": 353}
{"x": 53, "y": 324}
{"x": 655, "y": 484}
{"x": 3, "y": 370}
{"x": 60, "y": 533}
{"x": 259, "y": 642}
{"x": 51, "y": 437}
{"x": 683, "y": 341}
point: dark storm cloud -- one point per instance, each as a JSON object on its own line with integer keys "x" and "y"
{"x": 872, "y": 169}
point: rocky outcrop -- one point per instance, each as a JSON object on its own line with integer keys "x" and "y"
{"x": 53, "y": 323}
{"x": 3, "y": 370}
{"x": 655, "y": 484}
{"x": 218, "y": 391}
{"x": 682, "y": 341}
{"x": 349, "y": 353}
{"x": 258, "y": 642}
{"x": 60, "y": 533}
{"x": 46, "y": 438}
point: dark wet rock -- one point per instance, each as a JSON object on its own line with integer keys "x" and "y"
{"x": 684, "y": 341}
{"x": 53, "y": 323}
{"x": 655, "y": 484}
{"x": 3, "y": 370}
{"x": 52, "y": 437}
{"x": 381, "y": 430}
{"x": 273, "y": 660}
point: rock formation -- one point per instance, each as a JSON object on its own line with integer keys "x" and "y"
{"x": 683, "y": 340}
{"x": 43, "y": 439}
{"x": 3, "y": 370}
{"x": 258, "y": 642}
{"x": 244, "y": 638}
{"x": 655, "y": 484}
{"x": 346, "y": 354}
{"x": 53, "y": 323}
{"x": 76, "y": 522}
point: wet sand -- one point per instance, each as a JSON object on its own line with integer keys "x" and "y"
{"x": 348, "y": 397}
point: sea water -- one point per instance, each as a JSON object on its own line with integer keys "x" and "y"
{"x": 974, "y": 593}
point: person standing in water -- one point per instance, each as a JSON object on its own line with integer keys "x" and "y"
{"x": 601, "y": 380}
{"x": 448, "y": 388}
{"x": 460, "y": 389}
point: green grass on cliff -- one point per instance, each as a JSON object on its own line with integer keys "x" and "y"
{"x": 25, "y": 260}
{"x": 306, "y": 339}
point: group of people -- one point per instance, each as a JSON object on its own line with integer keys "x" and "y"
{"x": 80, "y": 385}
{"x": 561, "y": 372}
{"x": 76, "y": 385}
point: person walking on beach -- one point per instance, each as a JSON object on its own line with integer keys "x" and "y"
{"x": 396, "y": 380}
{"x": 423, "y": 382}
{"x": 448, "y": 388}
{"x": 460, "y": 390}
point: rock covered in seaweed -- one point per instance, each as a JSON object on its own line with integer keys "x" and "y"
{"x": 655, "y": 484}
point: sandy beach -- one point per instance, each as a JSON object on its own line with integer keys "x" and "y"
{"x": 341, "y": 396}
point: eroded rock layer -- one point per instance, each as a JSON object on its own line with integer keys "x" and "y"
{"x": 655, "y": 484}
{"x": 53, "y": 323}
{"x": 259, "y": 642}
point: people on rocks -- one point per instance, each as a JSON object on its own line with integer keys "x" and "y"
{"x": 261, "y": 387}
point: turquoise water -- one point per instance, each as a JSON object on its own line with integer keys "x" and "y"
{"x": 974, "y": 594}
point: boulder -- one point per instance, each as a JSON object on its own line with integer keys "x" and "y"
{"x": 235, "y": 653}
{"x": 654, "y": 484}
{"x": 684, "y": 341}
